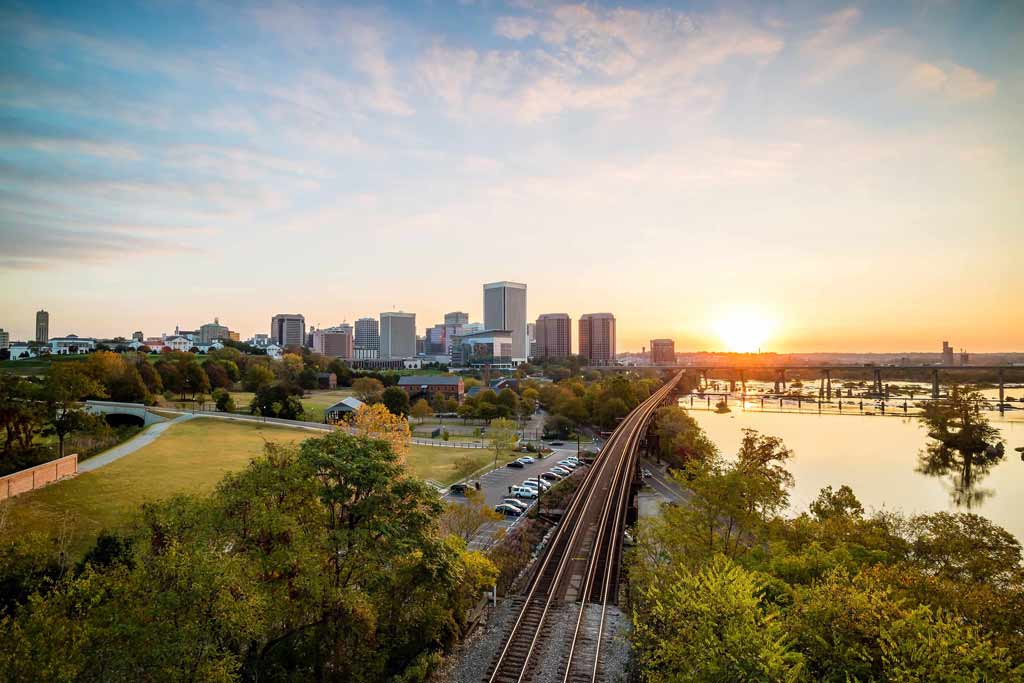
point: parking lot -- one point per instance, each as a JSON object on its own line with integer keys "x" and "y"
{"x": 495, "y": 486}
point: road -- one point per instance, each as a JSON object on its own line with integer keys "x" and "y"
{"x": 144, "y": 438}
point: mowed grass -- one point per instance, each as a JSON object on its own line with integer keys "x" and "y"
{"x": 190, "y": 457}
{"x": 449, "y": 465}
{"x": 314, "y": 404}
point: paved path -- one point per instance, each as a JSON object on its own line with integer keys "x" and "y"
{"x": 145, "y": 438}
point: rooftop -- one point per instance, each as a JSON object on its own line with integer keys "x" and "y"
{"x": 421, "y": 380}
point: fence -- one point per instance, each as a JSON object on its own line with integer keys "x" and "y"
{"x": 38, "y": 476}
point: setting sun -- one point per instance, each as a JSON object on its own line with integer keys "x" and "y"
{"x": 744, "y": 331}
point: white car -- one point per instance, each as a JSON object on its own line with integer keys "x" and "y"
{"x": 561, "y": 470}
{"x": 524, "y": 492}
{"x": 527, "y": 460}
{"x": 533, "y": 483}
{"x": 570, "y": 465}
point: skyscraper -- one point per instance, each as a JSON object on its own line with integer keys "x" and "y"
{"x": 505, "y": 309}
{"x": 397, "y": 334}
{"x": 42, "y": 326}
{"x": 554, "y": 335}
{"x": 367, "y": 338}
{"x": 334, "y": 342}
{"x": 597, "y": 338}
{"x": 288, "y": 329}
{"x": 663, "y": 352}
{"x": 5, "y": 339}
{"x": 453, "y": 327}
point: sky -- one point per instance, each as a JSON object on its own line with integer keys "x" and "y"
{"x": 837, "y": 177}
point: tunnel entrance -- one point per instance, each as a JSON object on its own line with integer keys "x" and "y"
{"x": 124, "y": 420}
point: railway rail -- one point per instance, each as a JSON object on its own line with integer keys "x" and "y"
{"x": 581, "y": 561}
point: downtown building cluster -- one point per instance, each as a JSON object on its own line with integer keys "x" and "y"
{"x": 504, "y": 339}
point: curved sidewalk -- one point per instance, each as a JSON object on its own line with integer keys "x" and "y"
{"x": 144, "y": 438}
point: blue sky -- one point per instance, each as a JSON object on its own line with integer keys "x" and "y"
{"x": 851, "y": 171}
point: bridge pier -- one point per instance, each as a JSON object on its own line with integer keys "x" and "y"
{"x": 878, "y": 382}
{"x": 828, "y": 384}
{"x": 935, "y": 383}
{"x": 1002, "y": 407}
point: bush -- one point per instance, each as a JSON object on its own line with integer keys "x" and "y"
{"x": 225, "y": 403}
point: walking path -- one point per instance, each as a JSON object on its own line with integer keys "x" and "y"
{"x": 145, "y": 438}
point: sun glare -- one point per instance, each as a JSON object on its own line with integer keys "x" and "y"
{"x": 744, "y": 331}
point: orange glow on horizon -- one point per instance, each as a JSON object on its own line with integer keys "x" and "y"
{"x": 744, "y": 331}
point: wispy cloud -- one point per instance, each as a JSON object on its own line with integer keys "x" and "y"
{"x": 952, "y": 81}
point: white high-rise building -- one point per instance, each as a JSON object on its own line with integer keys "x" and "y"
{"x": 397, "y": 335}
{"x": 505, "y": 309}
{"x": 367, "y": 340}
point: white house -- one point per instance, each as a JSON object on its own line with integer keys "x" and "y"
{"x": 273, "y": 350}
{"x": 71, "y": 344}
{"x": 178, "y": 343}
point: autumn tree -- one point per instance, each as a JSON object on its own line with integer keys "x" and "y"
{"x": 501, "y": 434}
{"x": 368, "y": 389}
{"x": 421, "y": 410}
{"x": 463, "y": 518}
{"x": 377, "y": 422}
{"x": 257, "y": 376}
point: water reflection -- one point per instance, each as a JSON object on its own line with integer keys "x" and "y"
{"x": 965, "y": 469}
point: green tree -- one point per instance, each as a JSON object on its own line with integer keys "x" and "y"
{"x": 195, "y": 380}
{"x": 368, "y": 389}
{"x": 841, "y": 504}
{"x": 66, "y": 386}
{"x": 225, "y": 403}
{"x": 22, "y": 413}
{"x": 396, "y": 400}
{"x": 257, "y": 377}
{"x": 710, "y": 625}
{"x": 501, "y": 434}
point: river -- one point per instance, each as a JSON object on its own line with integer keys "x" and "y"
{"x": 878, "y": 457}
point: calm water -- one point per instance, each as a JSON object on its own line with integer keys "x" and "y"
{"x": 878, "y": 458}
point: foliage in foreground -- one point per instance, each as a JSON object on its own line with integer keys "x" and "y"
{"x": 725, "y": 589}
{"x": 321, "y": 561}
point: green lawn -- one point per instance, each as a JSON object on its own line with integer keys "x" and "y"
{"x": 448, "y": 465}
{"x": 190, "y": 457}
{"x": 314, "y": 403}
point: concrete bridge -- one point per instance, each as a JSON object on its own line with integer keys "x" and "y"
{"x": 132, "y": 413}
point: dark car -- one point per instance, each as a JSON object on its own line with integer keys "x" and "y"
{"x": 516, "y": 463}
{"x": 557, "y": 443}
{"x": 551, "y": 476}
{"x": 463, "y": 486}
{"x": 508, "y": 510}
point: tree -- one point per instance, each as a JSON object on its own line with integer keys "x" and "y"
{"x": 257, "y": 377}
{"x": 150, "y": 377}
{"x": 377, "y": 422}
{"x": 225, "y": 403}
{"x": 958, "y": 421}
{"x": 396, "y": 401}
{"x": 841, "y": 504}
{"x": 289, "y": 367}
{"x": 368, "y": 389}
{"x": 464, "y": 518}
{"x": 710, "y": 625}
{"x": 277, "y": 400}
{"x": 195, "y": 380}
{"x": 217, "y": 375}
{"x": 66, "y": 385}
{"x": 502, "y": 435}
{"x": 421, "y": 410}
{"x": 22, "y": 413}
{"x": 680, "y": 438}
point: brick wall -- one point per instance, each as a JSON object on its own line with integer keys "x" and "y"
{"x": 38, "y": 476}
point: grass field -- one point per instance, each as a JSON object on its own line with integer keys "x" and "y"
{"x": 190, "y": 457}
{"x": 314, "y": 403}
{"x": 448, "y": 465}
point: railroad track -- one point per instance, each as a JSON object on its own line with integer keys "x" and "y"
{"x": 590, "y": 534}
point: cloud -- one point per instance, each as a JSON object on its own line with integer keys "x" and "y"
{"x": 952, "y": 81}
{"x": 593, "y": 59}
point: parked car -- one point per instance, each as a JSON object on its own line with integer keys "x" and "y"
{"x": 533, "y": 483}
{"x": 461, "y": 488}
{"x": 568, "y": 463}
{"x": 516, "y": 463}
{"x": 508, "y": 510}
{"x": 516, "y": 502}
{"x": 552, "y": 477}
{"x": 524, "y": 492}
{"x": 561, "y": 470}
{"x": 647, "y": 473}
{"x": 527, "y": 460}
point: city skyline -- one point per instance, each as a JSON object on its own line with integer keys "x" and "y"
{"x": 846, "y": 176}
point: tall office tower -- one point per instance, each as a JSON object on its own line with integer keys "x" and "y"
{"x": 554, "y": 335}
{"x": 5, "y": 339}
{"x": 42, "y": 326}
{"x": 505, "y": 309}
{"x": 597, "y": 338}
{"x": 334, "y": 342}
{"x": 367, "y": 338}
{"x": 663, "y": 352}
{"x": 453, "y": 327}
{"x": 397, "y": 334}
{"x": 434, "y": 341}
{"x": 288, "y": 329}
